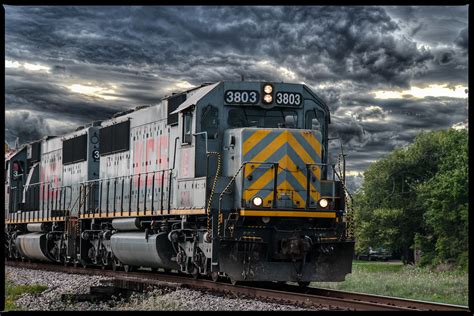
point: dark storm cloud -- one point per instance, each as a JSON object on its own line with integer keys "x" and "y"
{"x": 140, "y": 54}
{"x": 25, "y": 125}
{"x": 376, "y": 127}
{"x": 462, "y": 39}
{"x": 50, "y": 98}
{"x": 431, "y": 25}
{"x": 352, "y": 42}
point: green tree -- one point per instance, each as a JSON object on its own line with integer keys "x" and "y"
{"x": 445, "y": 198}
{"x": 417, "y": 195}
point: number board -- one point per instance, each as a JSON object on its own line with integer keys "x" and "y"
{"x": 241, "y": 96}
{"x": 95, "y": 155}
{"x": 288, "y": 98}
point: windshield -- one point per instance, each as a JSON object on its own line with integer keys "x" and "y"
{"x": 252, "y": 117}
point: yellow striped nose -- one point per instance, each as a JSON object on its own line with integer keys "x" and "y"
{"x": 280, "y": 167}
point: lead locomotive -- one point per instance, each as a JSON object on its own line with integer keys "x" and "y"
{"x": 228, "y": 179}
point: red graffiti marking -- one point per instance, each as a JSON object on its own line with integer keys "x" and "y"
{"x": 164, "y": 151}
{"x": 185, "y": 198}
{"x": 185, "y": 163}
{"x": 150, "y": 148}
{"x": 137, "y": 160}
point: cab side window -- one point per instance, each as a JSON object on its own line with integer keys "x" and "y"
{"x": 315, "y": 120}
{"x": 187, "y": 127}
{"x": 210, "y": 121}
{"x": 310, "y": 115}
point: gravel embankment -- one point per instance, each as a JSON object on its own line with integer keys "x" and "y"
{"x": 158, "y": 299}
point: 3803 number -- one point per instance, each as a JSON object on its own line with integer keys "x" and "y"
{"x": 241, "y": 96}
{"x": 288, "y": 98}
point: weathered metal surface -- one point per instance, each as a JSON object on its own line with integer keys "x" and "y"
{"x": 133, "y": 248}
{"x": 248, "y": 263}
{"x": 32, "y": 246}
{"x": 126, "y": 224}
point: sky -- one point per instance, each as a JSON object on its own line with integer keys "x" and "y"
{"x": 387, "y": 73}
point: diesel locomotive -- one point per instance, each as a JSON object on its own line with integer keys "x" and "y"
{"x": 228, "y": 179}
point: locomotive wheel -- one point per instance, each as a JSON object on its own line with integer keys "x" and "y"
{"x": 215, "y": 276}
{"x": 303, "y": 283}
{"x": 83, "y": 263}
{"x": 115, "y": 265}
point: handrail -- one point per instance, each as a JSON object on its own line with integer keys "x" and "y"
{"x": 115, "y": 196}
{"x": 53, "y": 203}
{"x": 125, "y": 176}
{"x": 334, "y": 174}
{"x": 275, "y": 178}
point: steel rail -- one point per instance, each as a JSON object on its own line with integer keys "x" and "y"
{"x": 267, "y": 291}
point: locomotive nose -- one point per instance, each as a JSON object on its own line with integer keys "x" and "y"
{"x": 281, "y": 168}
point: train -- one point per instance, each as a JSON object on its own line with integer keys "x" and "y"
{"x": 230, "y": 179}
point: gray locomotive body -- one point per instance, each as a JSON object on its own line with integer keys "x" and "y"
{"x": 230, "y": 179}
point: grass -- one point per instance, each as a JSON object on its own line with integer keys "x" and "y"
{"x": 396, "y": 279}
{"x": 13, "y": 292}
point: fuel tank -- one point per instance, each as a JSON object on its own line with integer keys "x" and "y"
{"x": 33, "y": 246}
{"x": 35, "y": 227}
{"x": 134, "y": 249}
{"x": 126, "y": 224}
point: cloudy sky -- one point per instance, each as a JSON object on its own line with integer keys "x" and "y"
{"x": 387, "y": 73}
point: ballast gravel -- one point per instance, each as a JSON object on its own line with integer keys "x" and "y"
{"x": 157, "y": 299}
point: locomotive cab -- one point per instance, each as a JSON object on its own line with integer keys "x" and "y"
{"x": 284, "y": 207}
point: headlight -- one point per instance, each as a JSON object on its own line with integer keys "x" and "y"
{"x": 268, "y": 98}
{"x": 266, "y": 219}
{"x": 268, "y": 88}
{"x": 323, "y": 203}
{"x": 257, "y": 201}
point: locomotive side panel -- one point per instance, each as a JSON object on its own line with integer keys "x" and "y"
{"x": 51, "y": 174}
{"x": 136, "y": 180}
{"x": 80, "y": 165}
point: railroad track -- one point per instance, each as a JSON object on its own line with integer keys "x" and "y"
{"x": 266, "y": 291}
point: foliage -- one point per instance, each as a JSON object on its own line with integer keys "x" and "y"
{"x": 13, "y": 292}
{"x": 416, "y": 197}
{"x": 406, "y": 281}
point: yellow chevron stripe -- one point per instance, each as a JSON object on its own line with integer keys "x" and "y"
{"x": 259, "y": 183}
{"x": 316, "y": 170}
{"x": 285, "y": 186}
{"x": 276, "y": 144}
{"x": 312, "y": 141}
{"x": 254, "y": 139}
{"x": 279, "y": 141}
{"x": 288, "y": 164}
{"x": 285, "y": 163}
{"x": 299, "y": 149}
